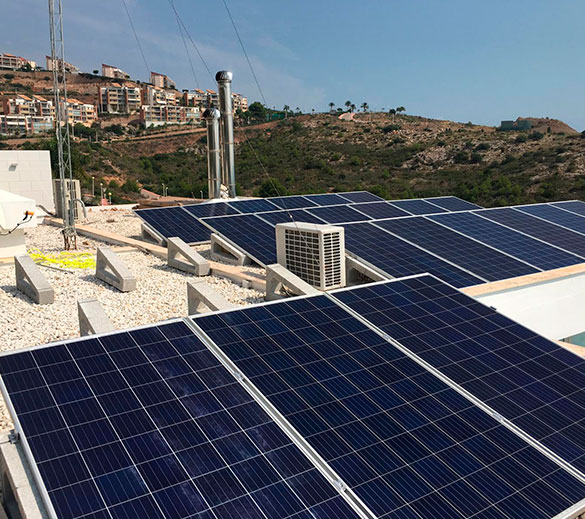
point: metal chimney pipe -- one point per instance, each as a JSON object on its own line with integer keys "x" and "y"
{"x": 211, "y": 116}
{"x": 224, "y": 85}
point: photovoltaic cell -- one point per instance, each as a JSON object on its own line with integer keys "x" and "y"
{"x": 575, "y": 206}
{"x": 379, "y": 210}
{"x": 253, "y": 206}
{"x": 531, "y": 381}
{"x": 464, "y": 252}
{"x": 295, "y": 215}
{"x": 555, "y": 215}
{"x": 505, "y": 239}
{"x": 406, "y": 443}
{"x": 210, "y": 209}
{"x": 250, "y": 233}
{"x": 361, "y": 196}
{"x": 327, "y": 199}
{"x": 291, "y": 202}
{"x": 417, "y": 206}
{"x": 175, "y": 221}
{"x": 545, "y": 231}
{"x": 399, "y": 258}
{"x": 148, "y": 424}
{"x": 338, "y": 214}
{"x": 452, "y": 203}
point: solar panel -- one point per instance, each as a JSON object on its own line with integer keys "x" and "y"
{"x": 326, "y": 199}
{"x": 253, "y": 206}
{"x": 338, "y": 214}
{"x": 406, "y": 443}
{"x": 175, "y": 221}
{"x": 521, "y": 246}
{"x": 295, "y": 215}
{"x": 545, "y": 231}
{"x": 379, "y": 210}
{"x": 531, "y": 381}
{"x": 398, "y": 258}
{"x": 291, "y": 202}
{"x": 361, "y": 196}
{"x": 148, "y": 424}
{"x": 210, "y": 209}
{"x": 575, "y": 206}
{"x": 250, "y": 233}
{"x": 452, "y": 203}
{"x": 464, "y": 252}
{"x": 417, "y": 206}
{"x": 556, "y": 215}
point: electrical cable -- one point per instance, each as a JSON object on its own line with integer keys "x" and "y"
{"x": 185, "y": 44}
{"x": 27, "y": 218}
{"x": 137, "y": 39}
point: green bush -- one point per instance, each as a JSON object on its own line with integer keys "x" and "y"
{"x": 130, "y": 186}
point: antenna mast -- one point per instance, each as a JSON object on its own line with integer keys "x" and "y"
{"x": 62, "y": 123}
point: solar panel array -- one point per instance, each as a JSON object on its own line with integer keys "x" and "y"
{"x": 402, "y": 399}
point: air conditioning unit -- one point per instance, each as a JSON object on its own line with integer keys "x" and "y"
{"x": 315, "y": 253}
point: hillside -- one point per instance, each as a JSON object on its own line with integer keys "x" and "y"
{"x": 395, "y": 156}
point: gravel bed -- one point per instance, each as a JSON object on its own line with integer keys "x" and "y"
{"x": 161, "y": 292}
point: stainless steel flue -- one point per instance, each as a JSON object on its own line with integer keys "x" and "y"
{"x": 211, "y": 116}
{"x": 224, "y": 85}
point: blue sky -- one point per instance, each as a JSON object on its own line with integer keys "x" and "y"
{"x": 465, "y": 60}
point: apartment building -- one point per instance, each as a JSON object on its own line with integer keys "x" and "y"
{"x": 119, "y": 98}
{"x": 212, "y": 99}
{"x": 45, "y": 107}
{"x": 20, "y": 104}
{"x": 114, "y": 72}
{"x": 195, "y": 97}
{"x": 161, "y": 81}
{"x": 20, "y": 124}
{"x": 79, "y": 112}
{"x": 12, "y": 62}
{"x": 158, "y": 115}
{"x": 209, "y": 98}
{"x": 239, "y": 102}
{"x": 72, "y": 69}
{"x": 153, "y": 95}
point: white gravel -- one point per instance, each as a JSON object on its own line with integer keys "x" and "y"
{"x": 161, "y": 291}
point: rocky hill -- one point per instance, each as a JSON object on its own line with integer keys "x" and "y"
{"x": 396, "y": 156}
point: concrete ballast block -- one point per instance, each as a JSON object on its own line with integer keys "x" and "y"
{"x": 222, "y": 250}
{"x": 31, "y": 281}
{"x": 200, "y": 295}
{"x": 356, "y": 271}
{"x": 92, "y": 318}
{"x": 278, "y": 276}
{"x": 183, "y": 257}
{"x": 149, "y": 235}
{"x": 112, "y": 270}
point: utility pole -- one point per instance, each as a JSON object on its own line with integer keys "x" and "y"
{"x": 62, "y": 126}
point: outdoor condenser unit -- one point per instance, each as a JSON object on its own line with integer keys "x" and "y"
{"x": 315, "y": 253}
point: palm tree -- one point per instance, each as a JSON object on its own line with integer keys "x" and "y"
{"x": 352, "y": 107}
{"x": 364, "y": 106}
{"x": 286, "y": 110}
{"x": 400, "y": 109}
{"x": 392, "y": 112}
{"x": 348, "y": 105}
{"x": 331, "y": 105}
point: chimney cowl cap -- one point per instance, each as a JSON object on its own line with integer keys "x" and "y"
{"x": 225, "y": 76}
{"x": 211, "y": 113}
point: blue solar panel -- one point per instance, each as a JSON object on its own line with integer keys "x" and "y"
{"x": 464, "y": 252}
{"x": 361, "y": 196}
{"x": 575, "y": 206}
{"x": 417, "y": 206}
{"x": 338, "y": 214}
{"x": 210, "y": 209}
{"x": 326, "y": 199}
{"x": 406, "y": 443}
{"x": 524, "y": 247}
{"x": 452, "y": 203}
{"x": 555, "y": 215}
{"x": 531, "y": 381}
{"x": 172, "y": 222}
{"x": 380, "y": 210}
{"x": 545, "y": 231}
{"x": 399, "y": 258}
{"x": 292, "y": 202}
{"x": 148, "y": 424}
{"x": 295, "y": 215}
{"x": 254, "y": 206}
{"x": 249, "y": 232}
